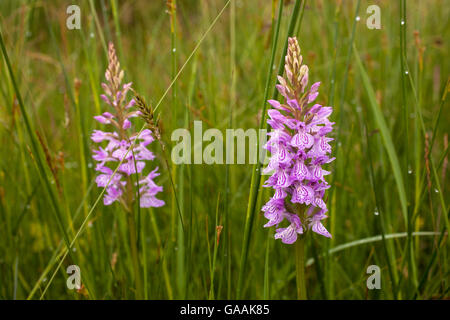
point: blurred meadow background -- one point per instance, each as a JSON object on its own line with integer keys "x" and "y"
{"x": 388, "y": 205}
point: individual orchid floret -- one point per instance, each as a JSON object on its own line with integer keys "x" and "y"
{"x": 300, "y": 147}
{"x": 122, "y": 144}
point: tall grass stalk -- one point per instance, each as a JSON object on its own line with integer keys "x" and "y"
{"x": 177, "y": 226}
{"x": 340, "y": 108}
{"x": 276, "y": 22}
{"x": 217, "y": 232}
{"x": 227, "y": 218}
{"x": 409, "y": 250}
{"x": 189, "y": 233}
{"x": 256, "y": 174}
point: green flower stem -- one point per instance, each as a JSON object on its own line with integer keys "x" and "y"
{"x": 300, "y": 263}
{"x": 135, "y": 255}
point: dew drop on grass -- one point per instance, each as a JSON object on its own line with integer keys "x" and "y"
{"x": 358, "y": 18}
{"x": 436, "y": 190}
{"x": 410, "y": 171}
{"x": 376, "y": 212}
{"x": 406, "y": 72}
{"x": 91, "y": 35}
{"x": 174, "y": 49}
{"x": 74, "y": 249}
{"x": 90, "y": 165}
{"x": 402, "y": 23}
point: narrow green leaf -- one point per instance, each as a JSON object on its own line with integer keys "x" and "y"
{"x": 385, "y": 134}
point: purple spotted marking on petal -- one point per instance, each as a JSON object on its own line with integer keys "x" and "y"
{"x": 302, "y": 140}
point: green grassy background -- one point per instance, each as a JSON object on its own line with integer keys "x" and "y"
{"x": 390, "y": 175}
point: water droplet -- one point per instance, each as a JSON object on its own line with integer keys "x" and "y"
{"x": 91, "y": 34}
{"x": 376, "y": 212}
{"x": 436, "y": 190}
{"x": 406, "y": 72}
{"x": 174, "y": 49}
{"x": 90, "y": 165}
{"x": 339, "y": 144}
{"x": 410, "y": 171}
{"x": 74, "y": 249}
{"x": 274, "y": 67}
{"x": 45, "y": 279}
{"x": 358, "y": 18}
{"x": 402, "y": 23}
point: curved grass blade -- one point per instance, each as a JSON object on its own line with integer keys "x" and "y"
{"x": 385, "y": 134}
{"x": 375, "y": 239}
